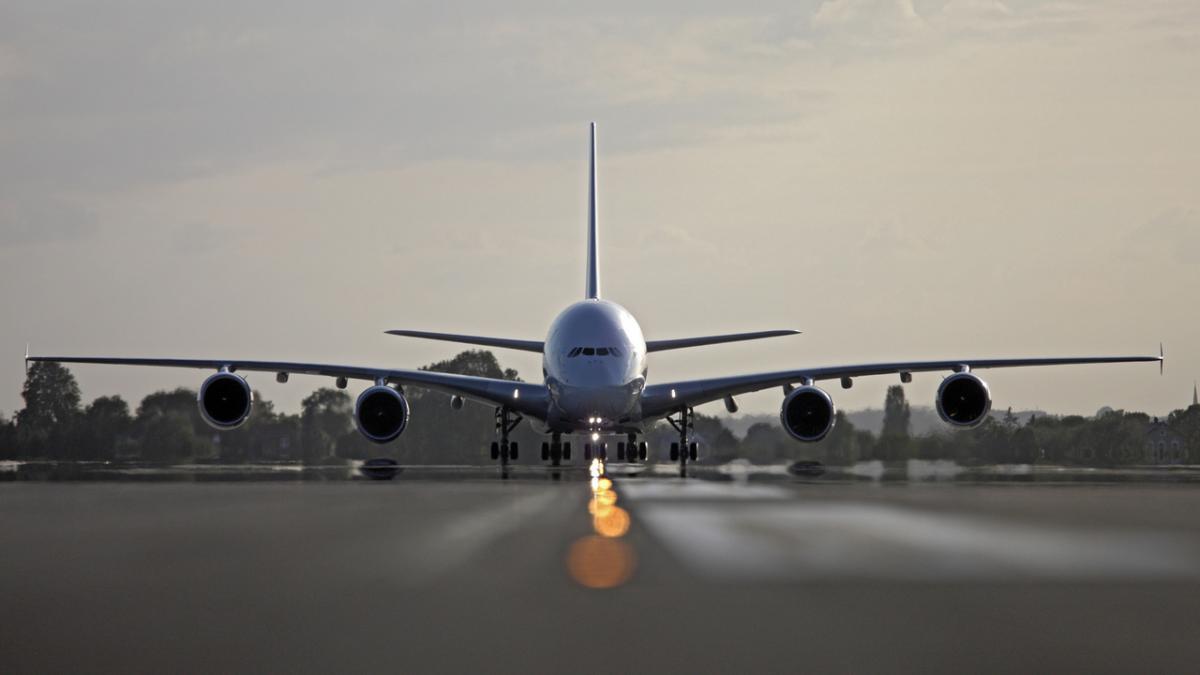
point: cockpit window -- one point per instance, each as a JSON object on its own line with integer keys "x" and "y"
{"x": 593, "y": 351}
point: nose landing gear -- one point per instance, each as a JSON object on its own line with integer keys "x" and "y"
{"x": 631, "y": 450}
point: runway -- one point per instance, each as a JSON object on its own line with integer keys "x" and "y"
{"x": 457, "y": 570}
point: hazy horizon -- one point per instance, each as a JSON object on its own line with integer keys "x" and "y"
{"x": 896, "y": 179}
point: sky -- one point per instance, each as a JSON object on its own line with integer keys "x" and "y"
{"x": 895, "y": 178}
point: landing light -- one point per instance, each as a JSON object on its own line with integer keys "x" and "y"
{"x": 595, "y": 436}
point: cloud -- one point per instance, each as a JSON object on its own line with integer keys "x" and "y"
{"x": 1172, "y": 235}
{"x": 33, "y": 220}
{"x": 900, "y": 23}
{"x": 863, "y": 21}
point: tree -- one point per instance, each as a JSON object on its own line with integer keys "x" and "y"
{"x": 104, "y": 426}
{"x": 476, "y": 362}
{"x": 841, "y": 446}
{"x": 718, "y": 441}
{"x": 168, "y": 428}
{"x": 438, "y": 433}
{"x": 51, "y": 409}
{"x": 8, "y": 438}
{"x": 764, "y": 442}
{"x": 897, "y": 415}
{"x": 325, "y": 418}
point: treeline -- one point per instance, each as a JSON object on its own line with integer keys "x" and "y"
{"x": 166, "y": 427}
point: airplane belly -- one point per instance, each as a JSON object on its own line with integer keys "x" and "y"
{"x": 582, "y": 405}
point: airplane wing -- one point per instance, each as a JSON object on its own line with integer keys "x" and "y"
{"x": 663, "y": 399}
{"x": 505, "y": 343}
{"x": 682, "y": 343}
{"x": 528, "y": 399}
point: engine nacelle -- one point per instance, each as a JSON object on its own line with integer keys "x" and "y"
{"x": 808, "y": 414}
{"x": 381, "y": 414}
{"x": 963, "y": 400}
{"x": 225, "y": 400}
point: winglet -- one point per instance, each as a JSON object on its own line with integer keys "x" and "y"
{"x": 593, "y": 253}
{"x": 26, "y": 358}
{"x": 1162, "y": 357}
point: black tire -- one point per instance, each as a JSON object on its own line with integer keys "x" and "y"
{"x": 512, "y": 450}
{"x": 587, "y": 452}
{"x": 495, "y": 450}
{"x": 643, "y": 451}
{"x": 566, "y": 451}
{"x": 545, "y": 451}
{"x": 693, "y": 451}
{"x": 621, "y": 451}
{"x": 674, "y": 452}
{"x": 604, "y": 451}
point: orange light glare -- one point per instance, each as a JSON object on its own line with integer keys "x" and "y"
{"x": 599, "y": 562}
{"x": 612, "y": 522}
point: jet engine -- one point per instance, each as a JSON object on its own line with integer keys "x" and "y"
{"x": 381, "y": 414}
{"x": 807, "y": 414}
{"x": 963, "y": 400}
{"x": 225, "y": 400}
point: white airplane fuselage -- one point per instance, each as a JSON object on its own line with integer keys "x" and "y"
{"x": 594, "y": 363}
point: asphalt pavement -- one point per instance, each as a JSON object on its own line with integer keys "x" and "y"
{"x": 460, "y": 571}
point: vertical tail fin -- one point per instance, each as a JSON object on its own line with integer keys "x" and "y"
{"x": 593, "y": 253}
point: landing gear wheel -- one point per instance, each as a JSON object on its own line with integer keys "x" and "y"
{"x": 566, "y": 451}
{"x": 603, "y": 452}
{"x": 674, "y": 452}
{"x": 587, "y": 452}
{"x": 512, "y": 450}
{"x": 495, "y": 450}
{"x": 545, "y": 451}
{"x": 621, "y": 451}
{"x": 642, "y": 451}
{"x": 692, "y": 450}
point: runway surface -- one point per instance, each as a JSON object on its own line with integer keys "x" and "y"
{"x": 452, "y": 571}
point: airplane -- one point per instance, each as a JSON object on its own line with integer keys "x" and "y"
{"x": 594, "y": 365}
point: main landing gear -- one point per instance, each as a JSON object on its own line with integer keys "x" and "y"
{"x": 683, "y": 450}
{"x": 555, "y": 451}
{"x": 631, "y": 450}
{"x": 506, "y": 421}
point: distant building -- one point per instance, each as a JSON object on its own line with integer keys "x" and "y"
{"x": 1164, "y": 445}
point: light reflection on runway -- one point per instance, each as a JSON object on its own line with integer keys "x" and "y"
{"x": 602, "y": 559}
{"x": 734, "y": 532}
